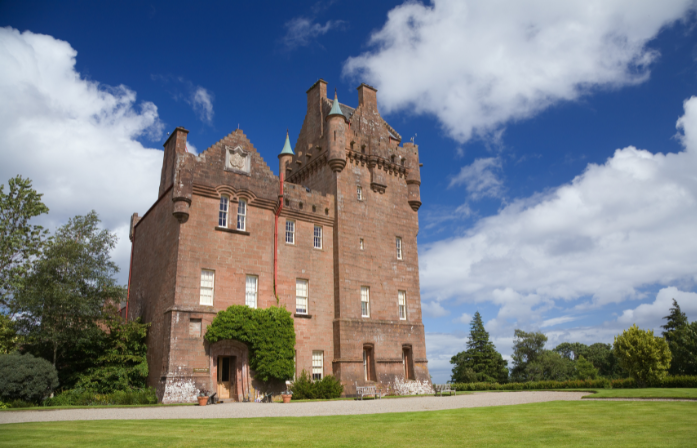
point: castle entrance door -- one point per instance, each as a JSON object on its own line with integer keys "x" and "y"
{"x": 227, "y": 369}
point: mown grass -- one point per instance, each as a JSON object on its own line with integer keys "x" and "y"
{"x": 567, "y": 424}
{"x": 645, "y": 393}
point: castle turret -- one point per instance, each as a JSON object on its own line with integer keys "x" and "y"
{"x": 413, "y": 176}
{"x": 284, "y": 158}
{"x": 336, "y": 137}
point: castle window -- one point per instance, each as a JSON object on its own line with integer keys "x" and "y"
{"x": 317, "y": 365}
{"x": 301, "y": 291}
{"x": 222, "y": 214}
{"x": 402, "y": 301}
{"x": 365, "y": 301}
{"x": 359, "y": 192}
{"x": 361, "y": 244}
{"x": 363, "y": 149}
{"x": 242, "y": 215}
{"x": 195, "y": 328}
{"x": 207, "y": 284}
{"x": 290, "y": 232}
{"x": 314, "y": 208}
{"x": 317, "y": 240}
{"x": 402, "y": 162}
{"x": 399, "y": 248}
{"x": 392, "y": 159}
{"x": 250, "y": 291}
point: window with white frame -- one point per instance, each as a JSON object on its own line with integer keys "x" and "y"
{"x": 317, "y": 364}
{"x": 207, "y": 284}
{"x": 242, "y": 215}
{"x": 250, "y": 291}
{"x": 290, "y": 232}
{"x": 399, "y": 248}
{"x": 365, "y": 301}
{"x": 361, "y": 244}
{"x": 222, "y": 214}
{"x": 402, "y": 301}
{"x": 359, "y": 192}
{"x": 301, "y": 293}
{"x": 317, "y": 240}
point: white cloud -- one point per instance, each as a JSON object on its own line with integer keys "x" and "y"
{"x": 616, "y": 228}
{"x": 434, "y": 309}
{"x": 476, "y": 65}
{"x": 302, "y": 31}
{"x": 651, "y": 314}
{"x": 202, "y": 102}
{"x": 481, "y": 178}
{"x": 557, "y": 321}
{"x": 464, "y": 319}
{"x": 76, "y": 139}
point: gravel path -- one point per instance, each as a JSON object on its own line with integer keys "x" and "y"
{"x": 249, "y": 410}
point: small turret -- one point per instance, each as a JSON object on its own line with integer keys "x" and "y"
{"x": 284, "y": 158}
{"x": 336, "y": 137}
{"x": 413, "y": 176}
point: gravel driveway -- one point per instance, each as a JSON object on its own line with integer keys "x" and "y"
{"x": 249, "y": 410}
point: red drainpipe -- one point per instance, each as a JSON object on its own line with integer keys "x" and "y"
{"x": 130, "y": 271}
{"x": 275, "y": 239}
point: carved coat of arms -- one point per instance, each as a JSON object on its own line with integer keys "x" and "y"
{"x": 237, "y": 159}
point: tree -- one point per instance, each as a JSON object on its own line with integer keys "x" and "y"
{"x": 644, "y": 356}
{"x": 65, "y": 294}
{"x": 585, "y": 369}
{"x": 571, "y": 350}
{"x": 682, "y": 342}
{"x": 20, "y": 242}
{"x": 481, "y": 361}
{"x": 24, "y": 377}
{"x": 527, "y": 347}
{"x": 9, "y": 339}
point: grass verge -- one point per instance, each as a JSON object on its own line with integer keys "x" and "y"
{"x": 568, "y": 424}
{"x": 645, "y": 393}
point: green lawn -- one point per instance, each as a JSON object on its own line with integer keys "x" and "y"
{"x": 645, "y": 393}
{"x": 568, "y": 424}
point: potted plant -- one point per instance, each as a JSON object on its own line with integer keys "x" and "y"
{"x": 287, "y": 394}
{"x": 203, "y": 398}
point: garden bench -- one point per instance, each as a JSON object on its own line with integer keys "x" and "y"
{"x": 367, "y": 390}
{"x": 441, "y": 388}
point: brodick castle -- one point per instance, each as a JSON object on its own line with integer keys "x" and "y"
{"x": 333, "y": 236}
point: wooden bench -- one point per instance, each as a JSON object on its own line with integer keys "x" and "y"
{"x": 441, "y": 388}
{"x": 367, "y": 390}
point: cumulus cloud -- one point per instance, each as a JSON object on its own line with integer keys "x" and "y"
{"x": 481, "y": 178}
{"x": 76, "y": 139}
{"x": 463, "y": 319}
{"x": 302, "y": 31}
{"x": 434, "y": 309}
{"x": 616, "y": 228}
{"x": 482, "y": 64}
{"x": 652, "y": 314}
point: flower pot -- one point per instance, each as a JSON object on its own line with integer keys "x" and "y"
{"x": 286, "y": 398}
{"x": 202, "y": 401}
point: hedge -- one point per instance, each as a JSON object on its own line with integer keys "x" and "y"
{"x": 668, "y": 382}
{"x": 78, "y": 397}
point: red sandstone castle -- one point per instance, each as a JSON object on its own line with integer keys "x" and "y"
{"x": 333, "y": 237}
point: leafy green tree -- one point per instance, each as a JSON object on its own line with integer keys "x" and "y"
{"x": 122, "y": 365}
{"x": 571, "y": 350}
{"x": 682, "y": 342}
{"x": 24, "y": 377}
{"x": 20, "y": 242}
{"x": 527, "y": 348}
{"x": 644, "y": 356}
{"x": 65, "y": 294}
{"x": 585, "y": 369}
{"x": 548, "y": 366}
{"x": 480, "y": 362}
{"x": 9, "y": 339}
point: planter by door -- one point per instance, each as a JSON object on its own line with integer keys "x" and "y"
{"x": 286, "y": 398}
{"x": 202, "y": 401}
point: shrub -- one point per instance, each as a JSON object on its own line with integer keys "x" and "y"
{"x": 585, "y": 369}
{"x": 679, "y": 381}
{"x": 305, "y": 389}
{"x": 24, "y": 377}
{"x": 78, "y": 397}
{"x": 646, "y": 357}
{"x": 269, "y": 333}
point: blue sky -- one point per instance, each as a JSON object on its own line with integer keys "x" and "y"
{"x": 559, "y": 191}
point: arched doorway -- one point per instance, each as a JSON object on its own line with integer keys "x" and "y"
{"x": 230, "y": 370}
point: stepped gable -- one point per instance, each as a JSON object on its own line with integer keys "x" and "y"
{"x": 214, "y": 171}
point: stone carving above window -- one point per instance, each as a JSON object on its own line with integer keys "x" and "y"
{"x": 237, "y": 160}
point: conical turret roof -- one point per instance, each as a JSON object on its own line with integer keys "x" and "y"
{"x": 286, "y": 148}
{"x": 336, "y": 109}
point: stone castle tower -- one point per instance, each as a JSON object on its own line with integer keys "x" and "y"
{"x": 333, "y": 236}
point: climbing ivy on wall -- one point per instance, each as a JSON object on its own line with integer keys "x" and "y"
{"x": 268, "y": 333}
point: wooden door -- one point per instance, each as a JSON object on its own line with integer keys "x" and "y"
{"x": 224, "y": 368}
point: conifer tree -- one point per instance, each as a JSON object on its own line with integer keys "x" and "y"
{"x": 682, "y": 342}
{"x": 675, "y": 320}
{"x": 481, "y": 361}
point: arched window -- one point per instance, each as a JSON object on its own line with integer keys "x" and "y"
{"x": 222, "y": 213}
